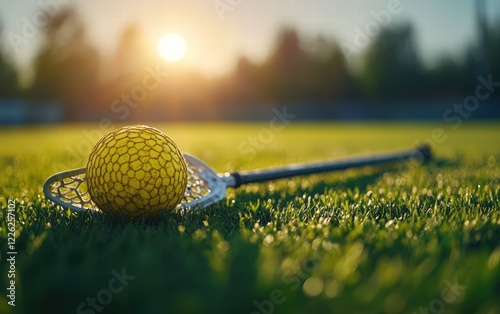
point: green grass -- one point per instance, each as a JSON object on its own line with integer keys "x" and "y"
{"x": 371, "y": 240}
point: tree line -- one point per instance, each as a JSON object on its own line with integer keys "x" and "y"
{"x": 298, "y": 70}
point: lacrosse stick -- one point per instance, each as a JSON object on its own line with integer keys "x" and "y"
{"x": 205, "y": 187}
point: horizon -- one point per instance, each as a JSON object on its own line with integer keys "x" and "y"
{"x": 217, "y": 34}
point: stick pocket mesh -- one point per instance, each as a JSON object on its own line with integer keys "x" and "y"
{"x": 68, "y": 189}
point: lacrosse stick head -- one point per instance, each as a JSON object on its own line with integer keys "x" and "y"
{"x": 68, "y": 189}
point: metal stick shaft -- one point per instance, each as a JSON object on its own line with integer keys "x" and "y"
{"x": 422, "y": 152}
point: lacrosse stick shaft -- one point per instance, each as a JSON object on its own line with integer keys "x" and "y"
{"x": 239, "y": 178}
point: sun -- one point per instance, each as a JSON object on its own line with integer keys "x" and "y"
{"x": 172, "y": 47}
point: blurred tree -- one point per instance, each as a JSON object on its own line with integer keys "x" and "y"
{"x": 9, "y": 83}
{"x": 9, "y": 86}
{"x": 328, "y": 76}
{"x": 310, "y": 70}
{"x": 67, "y": 66}
{"x": 132, "y": 53}
{"x": 128, "y": 64}
{"x": 392, "y": 68}
{"x": 447, "y": 78}
{"x": 284, "y": 73}
{"x": 483, "y": 62}
{"x": 494, "y": 51}
{"x": 459, "y": 78}
{"x": 134, "y": 74}
{"x": 245, "y": 70}
{"x": 243, "y": 84}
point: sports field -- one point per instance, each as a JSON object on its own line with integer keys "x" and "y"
{"x": 405, "y": 238}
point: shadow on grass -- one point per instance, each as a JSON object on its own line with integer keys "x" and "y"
{"x": 444, "y": 163}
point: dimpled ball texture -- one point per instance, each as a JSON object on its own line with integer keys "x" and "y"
{"x": 136, "y": 171}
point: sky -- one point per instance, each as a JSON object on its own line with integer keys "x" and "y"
{"x": 218, "y": 31}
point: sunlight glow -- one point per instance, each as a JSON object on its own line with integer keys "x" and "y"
{"x": 172, "y": 47}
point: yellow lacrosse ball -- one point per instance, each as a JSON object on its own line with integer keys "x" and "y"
{"x": 136, "y": 171}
